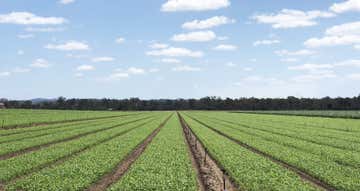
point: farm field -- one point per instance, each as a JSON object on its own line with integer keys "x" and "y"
{"x": 318, "y": 113}
{"x": 185, "y": 150}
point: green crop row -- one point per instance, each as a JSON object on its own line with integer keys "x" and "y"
{"x": 80, "y": 172}
{"x": 165, "y": 164}
{"x": 16, "y": 117}
{"x": 317, "y": 113}
{"x": 55, "y": 129}
{"x": 320, "y": 165}
{"x": 249, "y": 170}
{"x": 26, "y": 163}
{"x": 6, "y": 148}
{"x": 299, "y": 141}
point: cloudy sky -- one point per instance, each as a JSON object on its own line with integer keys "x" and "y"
{"x": 179, "y": 48}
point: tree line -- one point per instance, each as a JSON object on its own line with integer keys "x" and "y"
{"x": 206, "y": 103}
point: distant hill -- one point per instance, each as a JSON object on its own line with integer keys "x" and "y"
{"x": 40, "y": 100}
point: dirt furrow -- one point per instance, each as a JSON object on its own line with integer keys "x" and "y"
{"x": 61, "y": 122}
{"x": 211, "y": 175}
{"x": 303, "y": 175}
{"x": 125, "y": 164}
{"x": 38, "y": 147}
{"x": 67, "y": 157}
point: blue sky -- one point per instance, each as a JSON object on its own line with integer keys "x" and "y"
{"x": 179, "y": 48}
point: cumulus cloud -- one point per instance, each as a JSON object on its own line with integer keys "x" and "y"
{"x": 5, "y": 74}
{"x": 230, "y": 64}
{"x": 311, "y": 67}
{"x": 25, "y": 36}
{"x": 26, "y": 18}
{"x": 120, "y": 40}
{"x": 40, "y": 63}
{"x": 175, "y": 52}
{"x": 344, "y": 34}
{"x": 65, "y": 2}
{"x": 103, "y": 59}
{"x": 85, "y": 67}
{"x": 170, "y": 60}
{"x": 303, "y": 52}
{"x": 191, "y": 5}
{"x": 349, "y": 5}
{"x": 265, "y": 42}
{"x": 226, "y": 47}
{"x": 186, "y": 68}
{"x": 44, "y": 29}
{"x": 289, "y": 18}
{"x": 199, "y": 36}
{"x": 68, "y": 46}
{"x": 135, "y": 71}
{"x": 207, "y": 23}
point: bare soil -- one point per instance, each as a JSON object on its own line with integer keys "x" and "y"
{"x": 211, "y": 176}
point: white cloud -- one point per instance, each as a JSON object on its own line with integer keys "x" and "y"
{"x": 158, "y": 46}
{"x": 289, "y": 18}
{"x": 256, "y": 80}
{"x": 186, "y": 68}
{"x": 208, "y": 23}
{"x": 85, "y": 68}
{"x": 26, "y": 18}
{"x": 25, "y": 36}
{"x": 135, "y": 71}
{"x": 230, "y": 64}
{"x": 344, "y": 34}
{"x": 103, "y": 59}
{"x": 265, "y": 42}
{"x": 191, "y": 5}
{"x": 199, "y": 36}
{"x": 350, "y": 63}
{"x": 349, "y": 5}
{"x": 303, "y": 52}
{"x": 289, "y": 60}
{"x": 357, "y": 47}
{"x": 226, "y": 47}
{"x": 65, "y": 2}
{"x": 311, "y": 67}
{"x": 170, "y": 60}
{"x": 20, "y": 52}
{"x": 355, "y": 76}
{"x": 44, "y": 29}
{"x": 5, "y": 74}
{"x": 69, "y": 46}
{"x": 117, "y": 76}
{"x": 40, "y": 63}
{"x": 120, "y": 40}
{"x": 175, "y": 52}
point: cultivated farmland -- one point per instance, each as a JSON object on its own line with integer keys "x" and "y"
{"x": 185, "y": 150}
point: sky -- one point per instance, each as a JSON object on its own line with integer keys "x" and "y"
{"x": 179, "y": 48}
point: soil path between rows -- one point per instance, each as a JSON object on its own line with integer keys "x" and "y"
{"x": 303, "y": 175}
{"x": 125, "y": 164}
{"x": 38, "y": 147}
{"x": 211, "y": 176}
